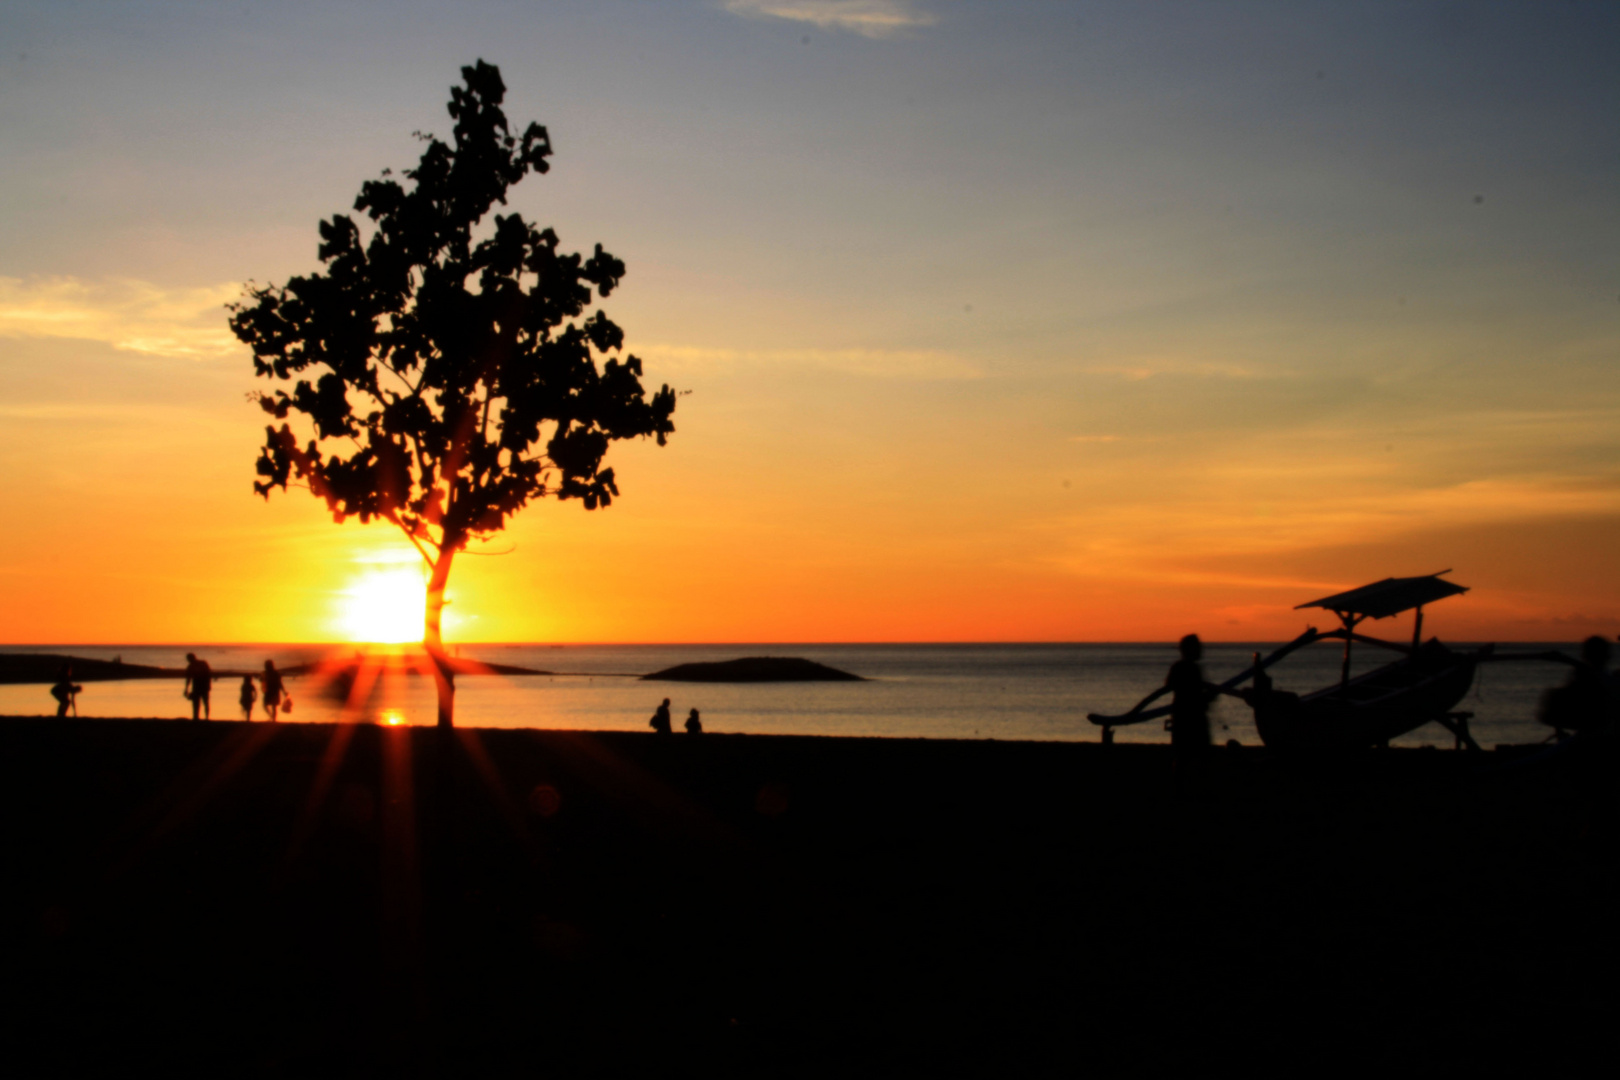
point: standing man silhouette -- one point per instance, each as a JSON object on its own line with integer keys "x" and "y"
{"x": 199, "y": 685}
{"x": 660, "y": 719}
{"x": 273, "y": 689}
{"x": 1189, "y": 708}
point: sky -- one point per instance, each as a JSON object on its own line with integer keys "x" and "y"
{"x": 992, "y": 322}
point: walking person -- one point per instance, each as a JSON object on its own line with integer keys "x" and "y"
{"x": 660, "y": 719}
{"x": 249, "y": 695}
{"x": 274, "y": 690}
{"x": 65, "y": 693}
{"x": 199, "y": 685}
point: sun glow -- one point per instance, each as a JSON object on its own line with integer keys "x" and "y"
{"x": 384, "y": 607}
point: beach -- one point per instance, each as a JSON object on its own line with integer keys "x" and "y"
{"x": 1009, "y": 691}
{"x": 311, "y": 899}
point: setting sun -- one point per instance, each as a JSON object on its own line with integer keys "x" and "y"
{"x": 384, "y": 607}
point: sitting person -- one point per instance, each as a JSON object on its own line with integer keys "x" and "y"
{"x": 1583, "y": 703}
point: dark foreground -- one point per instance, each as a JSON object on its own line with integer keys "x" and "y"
{"x": 304, "y": 900}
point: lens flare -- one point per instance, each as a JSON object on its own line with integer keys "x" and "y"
{"x": 384, "y": 607}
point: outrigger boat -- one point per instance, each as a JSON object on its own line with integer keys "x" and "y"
{"x": 1422, "y": 686}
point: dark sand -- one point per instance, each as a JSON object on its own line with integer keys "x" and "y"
{"x": 239, "y": 899}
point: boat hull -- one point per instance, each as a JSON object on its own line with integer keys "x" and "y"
{"x": 1369, "y": 710}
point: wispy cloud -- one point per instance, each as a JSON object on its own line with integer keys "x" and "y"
{"x": 869, "y": 18}
{"x": 137, "y": 316}
{"x": 925, "y": 364}
{"x": 1135, "y": 369}
{"x": 1154, "y": 541}
{"x": 55, "y": 411}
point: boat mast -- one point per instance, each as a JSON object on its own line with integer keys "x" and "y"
{"x": 1350, "y": 620}
{"x": 1417, "y": 629}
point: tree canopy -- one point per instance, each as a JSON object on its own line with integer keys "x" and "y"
{"x": 444, "y": 369}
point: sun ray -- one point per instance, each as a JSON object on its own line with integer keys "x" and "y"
{"x": 233, "y": 753}
{"x": 473, "y": 745}
{"x": 331, "y": 760}
{"x": 401, "y": 867}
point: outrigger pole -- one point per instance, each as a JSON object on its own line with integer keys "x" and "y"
{"x": 1141, "y": 712}
{"x": 1376, "y": 601}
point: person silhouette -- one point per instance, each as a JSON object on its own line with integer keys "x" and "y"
{"x": 1585, "y": 702}
{"x": 249, "y": 695}
{"x": 660, "y": 719}
{"x": 273, "y": 689}
{"x": 199, "y": 685}
{"x": 1189, "y": 705}
{"x": 694, "y": 726}
{"x": 65, "y": 693}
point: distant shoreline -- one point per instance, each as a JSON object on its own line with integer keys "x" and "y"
{"x": 182, "y": 647}
{"x": 45, "y": 668}
{"x": 19, "y": 669}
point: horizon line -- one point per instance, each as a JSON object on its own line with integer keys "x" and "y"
{"x": 196, "y": 644}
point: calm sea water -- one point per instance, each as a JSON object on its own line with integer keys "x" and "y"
{"x": 917, "y": 691}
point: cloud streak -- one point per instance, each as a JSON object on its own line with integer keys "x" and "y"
{"x": 919, "y": 364}
{"x": 868, "y": 18}
{"x": 128, "y": 314}
{"x": 1158, "y": 542}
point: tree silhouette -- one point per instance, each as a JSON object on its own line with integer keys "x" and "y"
{"x": 440, "y": 407}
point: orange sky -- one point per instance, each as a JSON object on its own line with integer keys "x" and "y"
{"x": 981, "y": 345}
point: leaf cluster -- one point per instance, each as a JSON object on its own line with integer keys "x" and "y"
{"x": 444, "y": 381}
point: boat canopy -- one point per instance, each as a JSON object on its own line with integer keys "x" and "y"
{"x": 1389, "y": 597}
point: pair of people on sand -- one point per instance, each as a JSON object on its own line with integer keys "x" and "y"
{"x": 199, "y": 688}
{"x": 276, "y": 697}
{"x": 660, "y": 721}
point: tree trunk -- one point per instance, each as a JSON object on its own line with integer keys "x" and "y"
{"x": 444, "y": 677}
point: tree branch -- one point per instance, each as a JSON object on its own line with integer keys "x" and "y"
{"x": 416, "y": 542}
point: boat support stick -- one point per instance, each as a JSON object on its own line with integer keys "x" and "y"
{"x": 1140, "y": 712}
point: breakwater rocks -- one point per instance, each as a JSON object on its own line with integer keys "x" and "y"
{"x": 46, "y": 667}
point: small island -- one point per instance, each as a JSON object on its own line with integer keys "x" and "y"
{"x": 754, "y": 669}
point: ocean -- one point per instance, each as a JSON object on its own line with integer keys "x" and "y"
{"x": 985, "y": 691}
